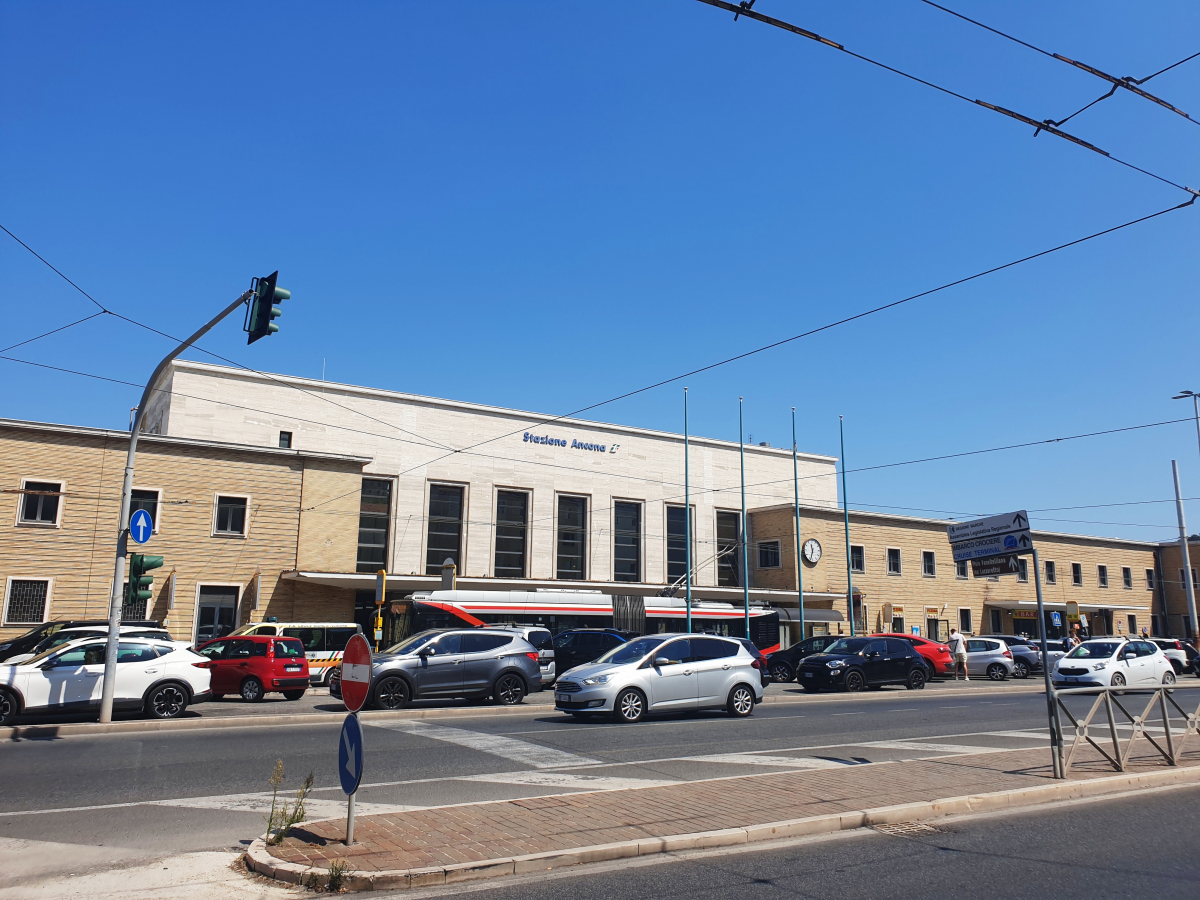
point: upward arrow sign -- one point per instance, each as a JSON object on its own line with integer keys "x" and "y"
{"x": 1024, "y": 540}
{"x": 1020, "y": 521}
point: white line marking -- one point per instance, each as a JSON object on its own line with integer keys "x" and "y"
{"x": 513, "y": 750}
{"x": 932, "y": 748}
{"x": 261, "y": 803}
{"x": 752, "y": 759}
{"x": 835, "y": 715}
{"x": 564, "y": 780}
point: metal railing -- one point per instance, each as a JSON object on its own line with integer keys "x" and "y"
{"x": 1169, "y": 742}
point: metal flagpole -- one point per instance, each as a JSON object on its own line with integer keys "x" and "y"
{"x": 846, "y": 514}
{"x": 687, "y": 513}
{"x": 745, "y": 554}
{"x": 799, "y": 559}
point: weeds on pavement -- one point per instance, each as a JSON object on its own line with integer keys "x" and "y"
{"x": 284, "y": 815}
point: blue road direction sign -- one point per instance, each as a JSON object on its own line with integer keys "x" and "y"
{"x": 141, "y": 526}
{"x": 993, "y": 536}
{"x": 350, "y": 754}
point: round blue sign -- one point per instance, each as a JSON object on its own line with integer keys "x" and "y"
{"x": 141, "y": 526}
{"x": 350, "y": 754}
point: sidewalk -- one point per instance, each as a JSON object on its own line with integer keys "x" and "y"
{"x": 433, "y": 846}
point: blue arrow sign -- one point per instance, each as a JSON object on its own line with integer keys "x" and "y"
{"x": 141, "y": 526}
{"x": 350, "y": 754}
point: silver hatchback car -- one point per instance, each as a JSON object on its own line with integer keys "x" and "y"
{"x": 663, "y": 673}
{"x": 990, "y": 657}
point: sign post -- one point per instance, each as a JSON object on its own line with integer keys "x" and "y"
{"x": 380, "y": 594}
{"x": 355, "y": 686}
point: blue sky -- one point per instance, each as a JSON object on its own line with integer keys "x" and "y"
{"x": 542, "y": 205}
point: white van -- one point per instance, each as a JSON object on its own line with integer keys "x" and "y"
{"x": 323, "y": 642}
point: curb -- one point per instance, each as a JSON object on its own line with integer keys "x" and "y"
{"x": 259, "y": 860}
{"x": 66, "y": 729}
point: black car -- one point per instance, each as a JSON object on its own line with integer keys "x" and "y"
{"x": 1027, "y": 656}
{"x": 855, "y": 663}
{"x": 30, "y": 639}
{"x": 581, "y": 645}
{"x": 782, "y": 664}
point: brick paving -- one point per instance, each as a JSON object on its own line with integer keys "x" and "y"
{"x": 496, "y": 830}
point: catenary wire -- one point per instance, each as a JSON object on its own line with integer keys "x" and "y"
{"x": 54, "y": 331}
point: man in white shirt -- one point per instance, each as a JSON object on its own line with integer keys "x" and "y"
{"x": 958, "y": 649}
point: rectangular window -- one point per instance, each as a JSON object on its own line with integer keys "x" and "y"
{"x": 960, "y": 569}
{"x": 443, "y": 540}
{"x": 768, "y": 555}
{"x": 997, "y": 623}
{"x": 1077, "y": 574}
{"x": 1051, "y": 572}
{"x": 893, "y": 561}
{"x": 512, "y": 521}
{"x": 1102, "y": 575}
{"x": 1149, "y": 579}
{"x": 147, "y": 500}
{"x": 627, "y": 541}
{"x": 964, "y": 621}
{"x": 729, "y": 557}
{"x": 677, "y": 545}
{"x": 928, "y": 564}
{"x": 572, "y": 538}
{"x": 1132, "y": 625}
{"x": 285, "y": 440}
{"x": 374, "y": 517}
{"x": 1183, "y": 584}
{"x": 26, "y": 601}
{"x": 39, "y": 502}
{"x": 858, "y": 558}
{"x": 231, "y": 515}
{"x": 1023, "y": 569}
{"x": 1127, "y": 578}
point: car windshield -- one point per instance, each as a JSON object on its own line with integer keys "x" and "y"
{"x": 1094, "y": 650}
{"x": 34, "y": 660}
{"x": 57, "y": 640}
{"x": 414, "y": 643}
{"x": 632, "y": 651}
{"x": 847, "y": 645}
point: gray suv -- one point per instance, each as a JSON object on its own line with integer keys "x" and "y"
{"x": 443, "y": 664}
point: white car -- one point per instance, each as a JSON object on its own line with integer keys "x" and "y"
{"x": 1114, "y": 661}
{"x": 158, "y": 677}
{"x": 64, "y": 635}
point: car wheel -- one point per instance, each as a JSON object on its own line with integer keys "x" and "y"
{"x": 1169, "y": 679}
{"x": 996, "y": 672}
{"x": 916, "y": 680}
{"x": 1177, "y": 666}
{"x": 509, "y": 690}
{"x": 782, "y": 672}
{"x": 8, "y": 707}
{"x": 392, "y": 693}
{"x": 293, "y": 695}
{"x": 1118, "y": 680}
{"x": 1020, "y": 669}
{"x": 167, "y": 701}
{"x": 741, "y": 701}
{"x": 630, "y": 706}
{"x": 855, "y": 682}
{"x": 929, "y": 672}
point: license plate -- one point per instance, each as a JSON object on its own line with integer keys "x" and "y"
{"x": 562, "y": 698}
{"x": 808, "y": 675}
{"x": 291, "y": 668}
{"x": 1072, "y": 678}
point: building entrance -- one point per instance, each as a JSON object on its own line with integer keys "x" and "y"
{"x": 216, "y": 614}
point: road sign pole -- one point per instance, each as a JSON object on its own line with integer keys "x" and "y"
{"x": 1051, "y": 706}
{"x": 799, "y": 559}
{"x": 350, "y": 813}
{"x": 846, "y": 515}
{"x": 745, "y": 528}
{"x": 380, "y": 595}
{"x": 687, "y": 516}
{"x": 1189, "y": 588}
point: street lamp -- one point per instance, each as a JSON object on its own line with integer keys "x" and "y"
{"x": 1183, "y": 395}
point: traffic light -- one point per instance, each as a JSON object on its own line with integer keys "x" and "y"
{"x": 259, "y": 322}
{"x": 138, "y": 588}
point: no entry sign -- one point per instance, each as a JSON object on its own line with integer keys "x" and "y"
{"x": 356, "y": 673}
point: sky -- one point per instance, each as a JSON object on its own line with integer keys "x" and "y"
{"x": 543, "y": 205}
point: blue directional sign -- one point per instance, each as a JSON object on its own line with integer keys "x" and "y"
{"x": 350, "y": 754}
{"x": 141, "y": 526}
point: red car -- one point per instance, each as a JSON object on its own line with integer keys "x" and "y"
{"x": 937, "y": 656}
{"x": 252, "y": 666}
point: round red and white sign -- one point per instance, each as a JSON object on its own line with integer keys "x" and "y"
{"x": 356, "y": 673}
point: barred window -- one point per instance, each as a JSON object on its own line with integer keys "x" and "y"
{"x": 26, "y": 603}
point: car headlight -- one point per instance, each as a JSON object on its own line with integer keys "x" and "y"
{"x": 1098, "y": 666}
{"x": 836, "y": 664}
{"x": 5, "y": 646}
{"x": 597, "y": 679}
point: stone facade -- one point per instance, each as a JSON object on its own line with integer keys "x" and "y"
{"x": 1175, "y": 621}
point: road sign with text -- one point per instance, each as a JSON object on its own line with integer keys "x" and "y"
{"x": 989, "y": 527}
{"x": 992, "y": 546}
{"x": 993, "y": 566}
{"x": 993, "y": 536}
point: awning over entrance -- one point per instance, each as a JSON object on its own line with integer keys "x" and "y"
{"x": 810, "y": 615}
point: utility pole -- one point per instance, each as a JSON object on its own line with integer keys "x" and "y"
{"x": 687, "y": 515}
{"x": 846, "y": 515}
{"x": 1187, "y": 563}
{"x": 745, "y": 528}
{"x": 1183, "y": 395}
{"x": 799, "y": 558}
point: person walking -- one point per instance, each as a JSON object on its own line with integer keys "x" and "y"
{"x": 958, "y": 649}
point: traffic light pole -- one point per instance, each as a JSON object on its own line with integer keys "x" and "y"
{"x": 115, "y": 602}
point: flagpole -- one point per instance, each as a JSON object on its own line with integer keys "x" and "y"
{"x": 799, "y": 559}
{"x": 687, "y": 511}
{"x": 846, "y": 514}
{"x": 745, "y": 529}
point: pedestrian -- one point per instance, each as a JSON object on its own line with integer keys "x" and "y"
{"x": 1145, "y": 634}
{"x": 958, "y": 649}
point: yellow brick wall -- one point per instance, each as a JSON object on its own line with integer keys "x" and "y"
{"x": 329, "y": 517}
{"x": 1173, "y": 587}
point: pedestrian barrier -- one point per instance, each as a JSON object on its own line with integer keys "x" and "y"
{"x": 1170, "y": 743}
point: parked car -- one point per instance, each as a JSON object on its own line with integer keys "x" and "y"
{"x": 582, "y": 645}
{"x": 1026, "y": 655}
{"x": 74, "y": 633}
{"x": 1177, "y": 652}
{"x": 443, "y": 664}
{"x": 252, "y": 666}
{"x": 323, "y": 642}
{"x": 752, "y": 649}
{"x": 938, "y": 660}
{"x": 25, "y": 643}
{"x": 990, "y": 657}
{"x": 782, "y": 664}
{"x": 543, "y": 643}
{"x": 160, "y": 678}
{"x": 853, "y": 664}
{"x": 1114, "y": 661}
{"x": 663, "y": 673}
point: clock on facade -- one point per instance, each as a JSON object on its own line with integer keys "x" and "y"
{"x": 812, "y": 551}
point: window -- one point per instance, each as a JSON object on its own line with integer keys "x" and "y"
{"x": 627, "y": 541}
{"x": 512, "y": 520}
{"x": 712, "y": 648}
{"x": 25, "y": 603}
{"x": 928, "y": 564}
{"x": 374, "y": 516}
{"x": 729, "y": 535}
{"x": 289, "y": 650}
{"x": 1077, "y": 574}
{"x": 444, "y": 536}
{"x": 960, "y": 569}
{"x": 858, "y": 558}
{"x": 231, "y": 515}
{"x": 1183, "y": 584}
{"x": 768, "y": 555}
{"x": 285, "y": 440}
{"x": 449, "y": 643}
{"x": 39, "y": 502}
{"x": 996, "y": 622}
{"x": 964, "y": 620}
{"x": 677, "y": 544}
{"x": 893, "y": 560}
{"x": 1149, "y": 579}
{"x": 483, "y": 643}
{"x": 1132, "y": 621}
{"x": 572, "y": 538}
{"x": 1023, "y": 570}
{"x": 147, "y": 500}
{"x": 1102, "y": 575}
{"x": 1051, "y": 573}
{"x": 1127, "y": 578}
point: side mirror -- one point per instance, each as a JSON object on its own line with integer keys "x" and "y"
{"x": 660, "y": 661}
{"x": 872, "y": 654}
{"x": 48, "y": 664}
{"x": 426, "y": 651}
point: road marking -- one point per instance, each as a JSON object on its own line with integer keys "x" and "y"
{"x": 513, "y": 750}
{"x": 565, "y": 780}
{"x": 906, "y": 709}
{"x": 954, "y": 707}
{"x": 835, "y": 715}
{"x": 932, "y": 748}
{"x": 753, "y": 759}
{"x": 261, "y": 803}
{"x": 1037, "y": 735}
